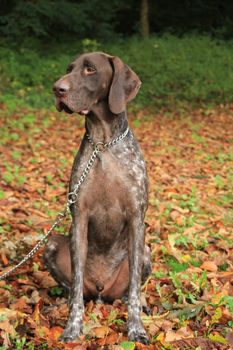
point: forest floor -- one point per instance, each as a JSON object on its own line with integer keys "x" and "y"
{"x": 189, "y": 157}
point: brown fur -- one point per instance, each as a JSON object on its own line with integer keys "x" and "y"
{"x": 105, "y": 255}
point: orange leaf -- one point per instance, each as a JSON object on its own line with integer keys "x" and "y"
{"x": 74, "y": 345}
{"x": 42, "y": 332}
{"x": 55, "y": 332}
{"x": 111, "y": 339}
{"x": 7, "y": 327}
{"x": 209, "y": 266}
{"x": 21, "y": 305}
{"x": 4, "y": 259}
{"x": 101, "y": 332}
{"x": 180, "y": 220}
{"x": 36, "y": 313}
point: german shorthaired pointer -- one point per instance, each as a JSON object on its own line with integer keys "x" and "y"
{"x": 105, "y": 256}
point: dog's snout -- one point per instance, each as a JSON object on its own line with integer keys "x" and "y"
{"x": 61, "y": 88}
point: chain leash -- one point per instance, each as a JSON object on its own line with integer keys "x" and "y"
{"x": 72, "y": 198}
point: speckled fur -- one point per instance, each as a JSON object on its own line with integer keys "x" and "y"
{"x": 105, "y": 255}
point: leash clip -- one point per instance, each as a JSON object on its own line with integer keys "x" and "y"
{"x": 101, "y": 146}
{"x": 72, "y": 198}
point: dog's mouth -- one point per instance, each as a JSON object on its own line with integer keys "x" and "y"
{"x": 61, "y": 106}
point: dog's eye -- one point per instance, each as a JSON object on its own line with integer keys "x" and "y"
{"x": 89, "y": 70}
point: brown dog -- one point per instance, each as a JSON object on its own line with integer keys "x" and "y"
{"x": 105, "y": 255}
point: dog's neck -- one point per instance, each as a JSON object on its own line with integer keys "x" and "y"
{"x": 102, "y": 125}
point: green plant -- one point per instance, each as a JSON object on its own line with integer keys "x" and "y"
{"x": 13, "y": 174}
{"x": 90, "y": 45}
{"x": 56, "y": 291}
{"x": 174, "y": 71}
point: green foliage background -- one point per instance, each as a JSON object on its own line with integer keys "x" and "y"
{"x": 188, "y": 57}
{"x": 173, "y": 70}
{"x": 105, "y": 19}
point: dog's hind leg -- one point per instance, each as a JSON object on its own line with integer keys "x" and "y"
{"x": 57, "y": 260}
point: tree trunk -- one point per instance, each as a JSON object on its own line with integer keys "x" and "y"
{"x": 144, "y": 18}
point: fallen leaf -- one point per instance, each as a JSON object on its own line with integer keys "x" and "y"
{"x": 55, "y": 332}
{"x": 36, "y": 313}
{"x": 174, "y": 215}
{"x": 12, "y": 315}
{"x": 183, "y": 332}
{"x": 193, "y": 343}
{"x": 101, "y": 332}
{"x": 35, "y": 297}
{"x": 10, "y": 319}
{"x": 209, "y": 266}
{"x": 229, "y": 338}
{"x": 128, "y": 345}
{"x": 4, "y": 259}
{"x": 110, "y": 339}
{"x": 45, "y": 279}
{"x": 21, "y": 305}
{"x": 217, "y": 338}
{"x": 7, "y": 327}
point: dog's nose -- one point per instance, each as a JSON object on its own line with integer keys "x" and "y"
{"x": 61, "y": 88}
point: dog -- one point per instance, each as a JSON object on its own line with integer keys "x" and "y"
{"x": 105, "y": 256}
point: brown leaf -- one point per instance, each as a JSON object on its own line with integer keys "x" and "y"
{"x": 7, "y": 327}
{"x": 35, "y": 297}
{"x": 20, "y": 227}
{"x": 38, "y": 212}
{"x": 140, "y": 346}
{"x": 229, "y": 338}
{"x": 174, "y": 215}
{"x": 181, "y": 333}
{"x": 110, "y": 339}
{"x": 153, "y": 329}
{"x": 177, "y": 217}
{"x": 21, "y": 305}
{"x": 78, "y": 347}
{"x": 204, "y": 344}
{"x": 209, "y": 266}
{"x": 45, "y": 279}
{"x": 74, "y": 346}
{"x": 101, "y": 332}
{"x": 180, "y": 210}
{"x": 10, "y": 318}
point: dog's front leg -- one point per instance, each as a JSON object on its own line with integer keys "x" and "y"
{"x": 136, "y": 331}
{"x": 78, "y": 250}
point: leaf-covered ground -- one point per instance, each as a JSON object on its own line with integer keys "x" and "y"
{"x": 189, "y": 229}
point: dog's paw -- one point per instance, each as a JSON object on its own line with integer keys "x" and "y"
{"x": 139, "y": 336}
{"x": 70, "y": 333}
{"x": 137, "y": 333}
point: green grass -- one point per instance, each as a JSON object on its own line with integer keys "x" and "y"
{"x": 192, "y": 69}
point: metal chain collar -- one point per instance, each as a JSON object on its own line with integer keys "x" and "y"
{"x": 72, "y": 197}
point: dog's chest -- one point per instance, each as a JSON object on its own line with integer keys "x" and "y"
{"x": 114, "y": 191}
{"x": 108, "y": 184}
{"x": 116, "y": 181}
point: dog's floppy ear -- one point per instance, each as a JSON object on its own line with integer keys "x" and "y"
{"x": 124, "y": 87}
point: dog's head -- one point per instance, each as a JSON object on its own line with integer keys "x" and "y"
{"x": 93, "y": 78}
